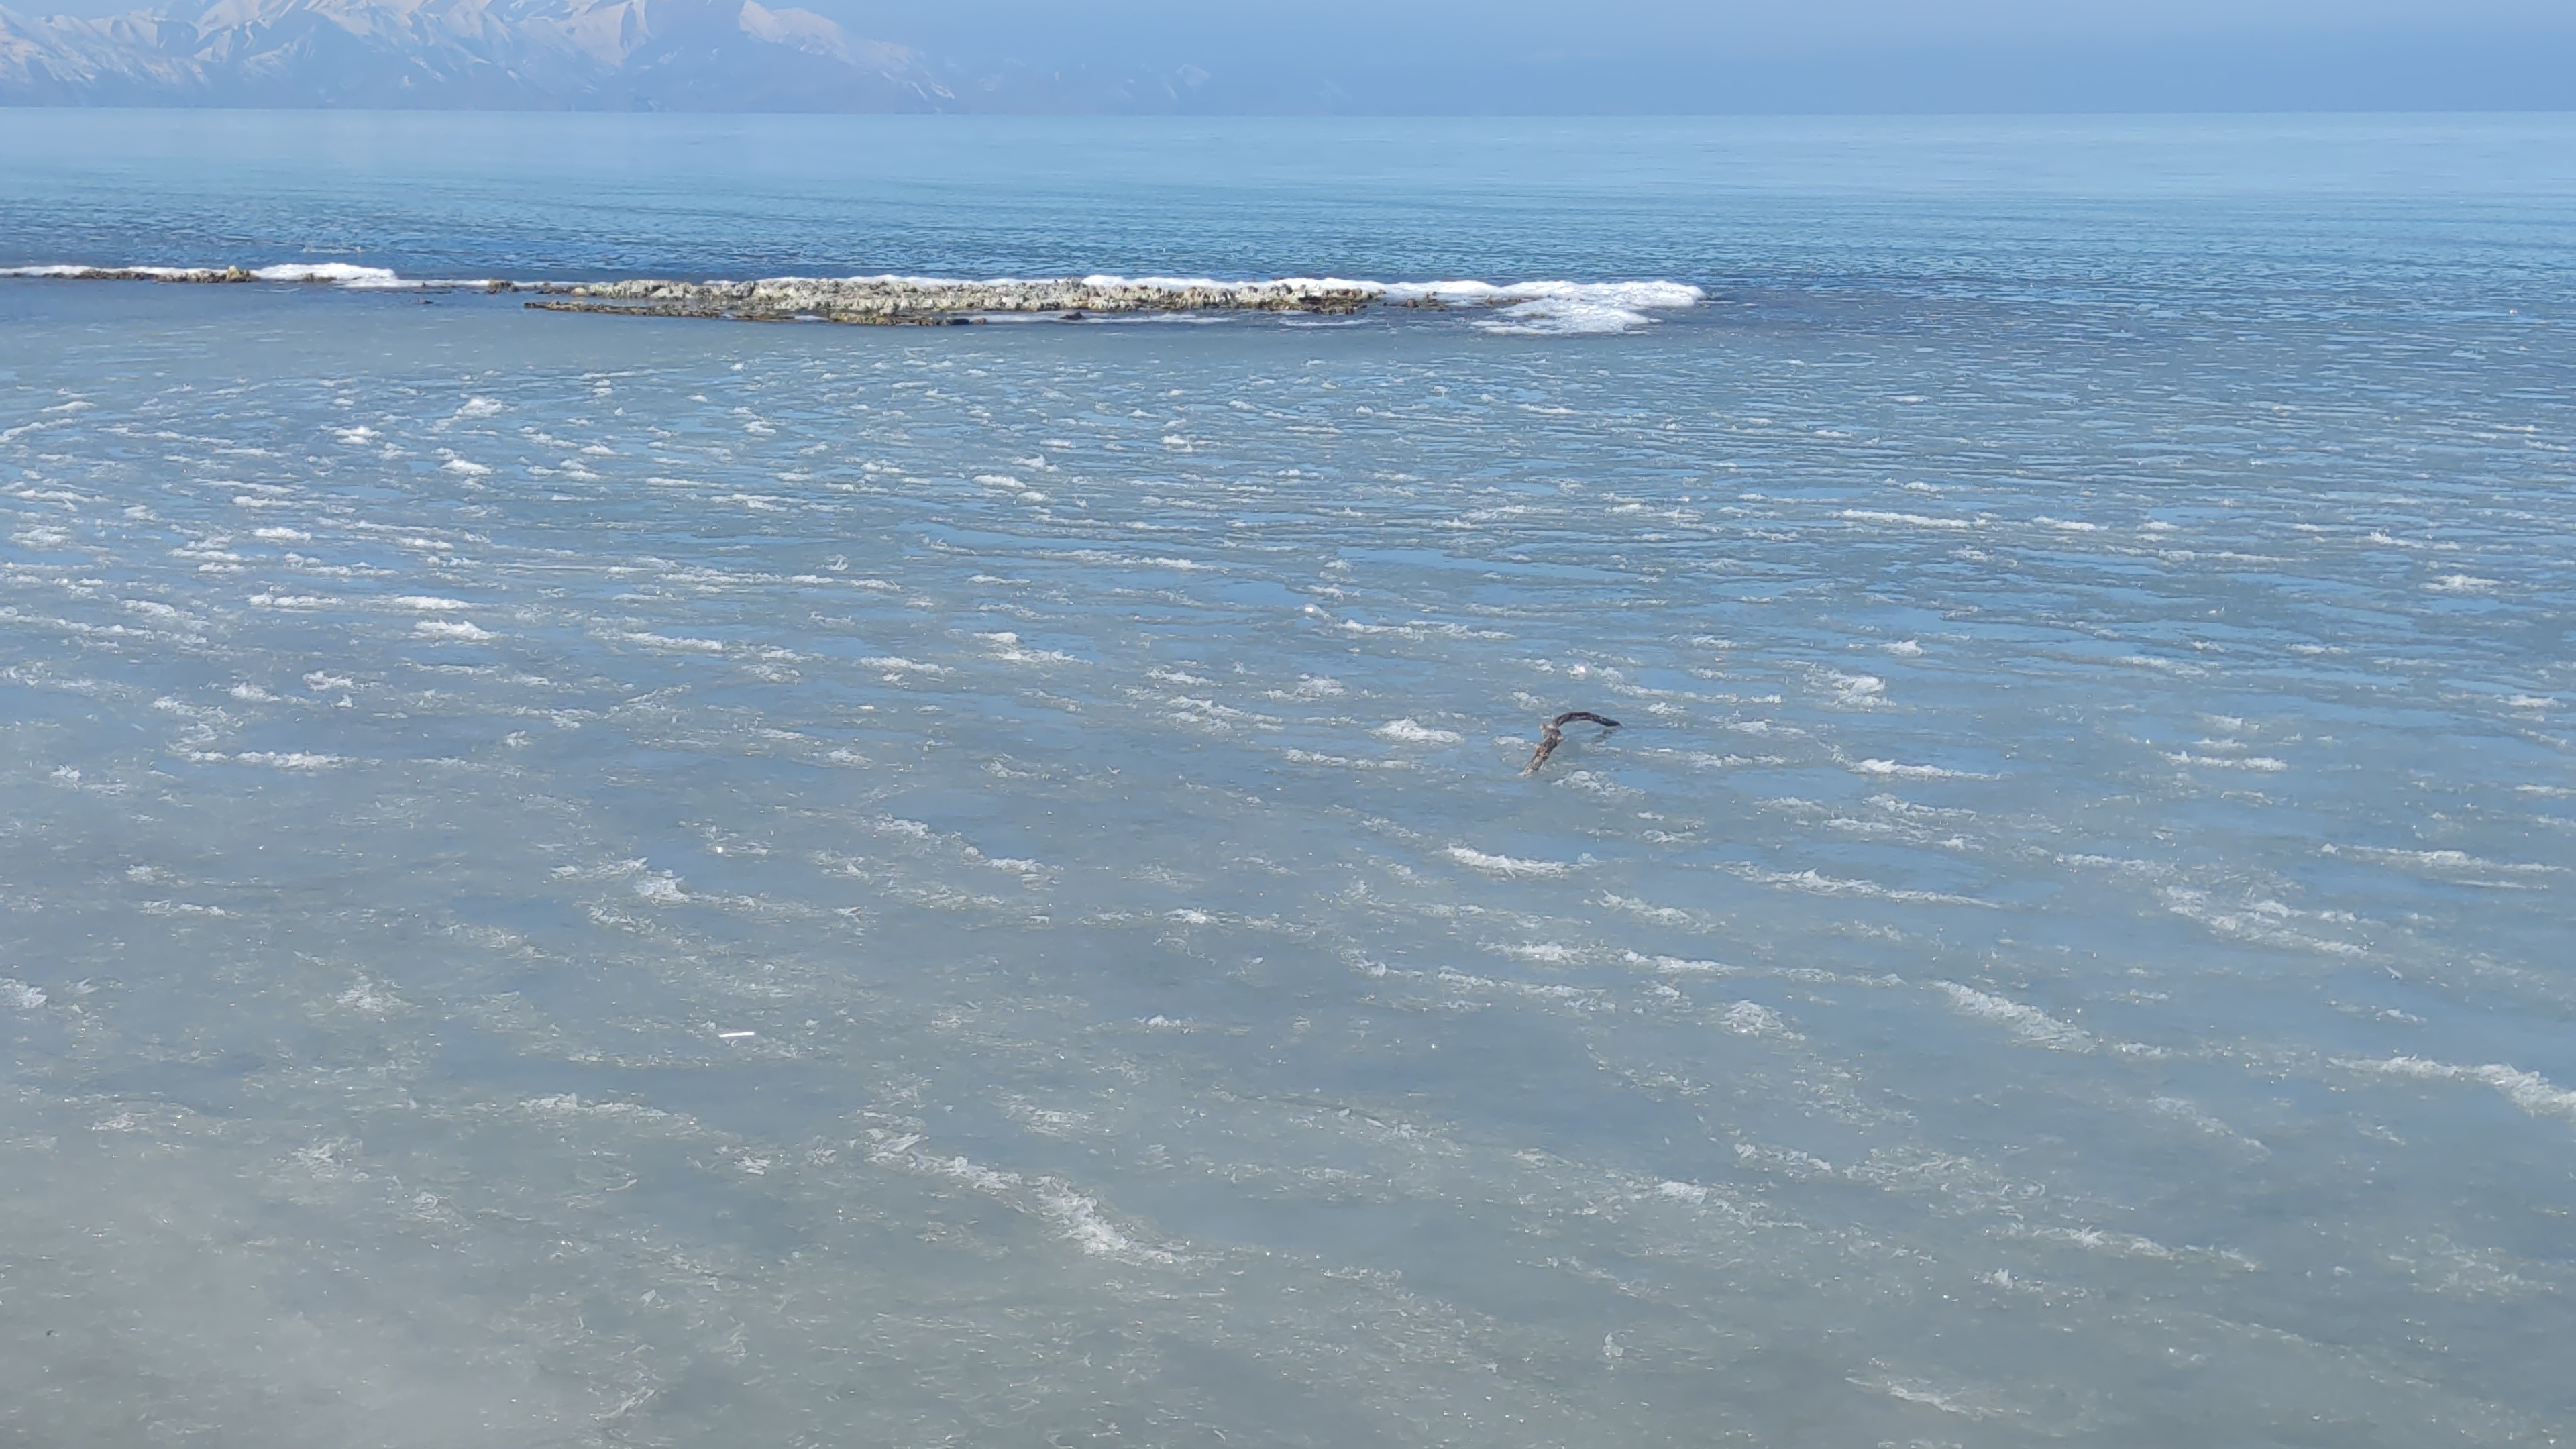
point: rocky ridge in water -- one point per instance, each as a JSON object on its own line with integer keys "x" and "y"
{"x": 1534, "y": 308}
{"x": 913, "y": 299}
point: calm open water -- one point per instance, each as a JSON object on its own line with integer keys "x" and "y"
{"x": 582, "y": 881}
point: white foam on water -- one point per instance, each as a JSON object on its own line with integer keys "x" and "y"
{"x": 1913, "y": 772}
{"x": 662, "y": 890}
{"x": 2262, "y": 764}
{"x": 676, "y": 645}
{"x": 2264, "y": 921}
{"x": 1553, "y": 308}
{"x": 1660, "y": 915}
{"x": 1814, "y": 882}
{"x": 1081, "y": 1219}
{"x": 1964, "y": 1403}
{"x": 1190, "y": 284}
{"x": 2027, "y": 1022}
{"x": 2462, "y": 584}
{"x": 1407, "y": 732}
{"x": 1006, "y": 647}
{"x": 2129, "y": 1245}
{"x": 895, "y": 666}
{"x": 1910, "y": 520}
{"x": 2440, "y": 862}
{"x": 342, "y": 273}
{"x": 1858, "y": 691}
{"x": 1752, "y": 1018}
{"x": 82, "y": 269}
{"x": 1504, "y": 865}
{"x": 2530, "y": 1091}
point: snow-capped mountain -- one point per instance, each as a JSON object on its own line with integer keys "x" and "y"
{"x": 692, "y": 55}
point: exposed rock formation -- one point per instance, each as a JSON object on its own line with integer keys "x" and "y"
{"x": 914, "y": 299}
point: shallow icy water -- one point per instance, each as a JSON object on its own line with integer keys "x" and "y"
{"x": 581, "y": 881}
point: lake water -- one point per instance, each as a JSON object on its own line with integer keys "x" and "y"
{"x": 576, "y": 880}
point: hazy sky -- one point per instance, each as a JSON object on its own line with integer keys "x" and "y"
{"x": 1829, "y": 54}
{"x": 1730, "y": 55}
{"x": 1643, "y": 26}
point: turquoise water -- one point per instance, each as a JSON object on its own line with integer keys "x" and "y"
{"x": 576, "y": 880}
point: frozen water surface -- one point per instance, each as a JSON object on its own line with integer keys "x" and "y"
{"x": 578, "y": 881}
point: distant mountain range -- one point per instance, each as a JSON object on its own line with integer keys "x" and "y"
{"x": 614, "y": 55}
